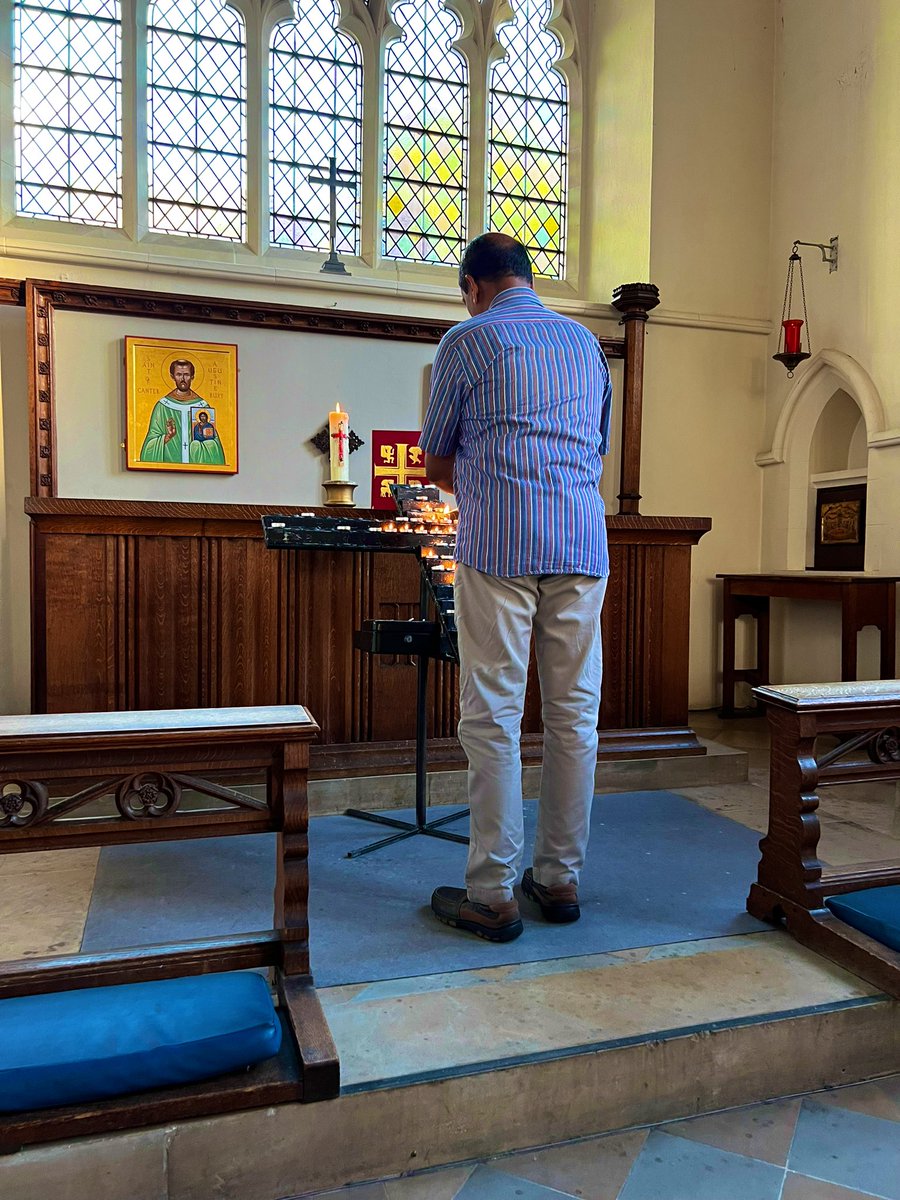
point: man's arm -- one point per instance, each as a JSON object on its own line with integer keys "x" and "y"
{"x": 440, "y": 431}
{"x": 439, "y": 469}
{"x": 606, "y": 403}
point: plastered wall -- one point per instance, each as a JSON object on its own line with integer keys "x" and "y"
{"x": 705, "y": 398}
{"x": 678, "y": 191}
{"x": 836, "y": 170}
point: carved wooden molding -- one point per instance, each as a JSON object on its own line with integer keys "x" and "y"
{"x": 44, "y": 297}
{"x": 149, "y": 795}
{"x": 12, "y": 291}
{"x": 620, "y": 527}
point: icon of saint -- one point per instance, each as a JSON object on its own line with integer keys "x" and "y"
{"x": 172, "y": 435}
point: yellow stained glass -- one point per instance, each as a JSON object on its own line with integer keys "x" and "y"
{"x": 528, "y": 135}
{"x": 395, "y": 204}
{"x": 426, "y": 89}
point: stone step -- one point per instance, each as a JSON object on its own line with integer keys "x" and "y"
{"x": 449, "y": 1068}
{"x": 719, "y": 765}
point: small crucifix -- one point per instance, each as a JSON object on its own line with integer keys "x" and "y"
{"x": 341, "y": 435}
{"x": 332, "y": 263}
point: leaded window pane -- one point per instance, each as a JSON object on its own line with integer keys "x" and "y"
{"x": 68, "y": 110}
{"x": 529, "y": 133}
{"x": 426, "y": 114}
{"x": 315, "y": 113}
{"x": 198, "y": 120}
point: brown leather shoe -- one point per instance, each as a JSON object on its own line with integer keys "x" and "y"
{"x": 497, "y": 923}
{"x": 559, "y": 903}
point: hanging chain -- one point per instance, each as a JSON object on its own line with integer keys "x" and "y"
{"x": 805, "y": 314}
{"x": 789, "y": 292}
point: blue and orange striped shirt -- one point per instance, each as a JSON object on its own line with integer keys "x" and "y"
{"x": 521, "y": 396}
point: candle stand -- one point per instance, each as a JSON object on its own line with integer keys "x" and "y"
{"x": 422, "y": 527}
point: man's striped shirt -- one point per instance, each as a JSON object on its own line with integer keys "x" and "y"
{"x": 521, "y": 396}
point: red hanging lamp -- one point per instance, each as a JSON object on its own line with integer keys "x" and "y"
{"x": 790, "y": 340}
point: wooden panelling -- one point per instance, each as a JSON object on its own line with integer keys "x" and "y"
{"x": 168, "y": 606}
{"x": 80, "y": 606}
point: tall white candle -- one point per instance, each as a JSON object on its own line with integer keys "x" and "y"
{"x": 339, "y": 442}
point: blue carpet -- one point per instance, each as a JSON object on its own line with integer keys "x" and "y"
{"x": 660, "y": 869}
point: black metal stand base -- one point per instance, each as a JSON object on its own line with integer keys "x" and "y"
{"x": 421, "y": 825}
{"x": 409, "y": 829}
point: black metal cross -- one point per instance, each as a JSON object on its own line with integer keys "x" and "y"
{"x": 332, "y": 263}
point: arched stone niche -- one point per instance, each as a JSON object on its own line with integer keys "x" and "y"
{"x": 831, "y": 421}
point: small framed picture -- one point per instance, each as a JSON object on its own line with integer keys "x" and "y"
{"x": 840, "y": 534}
{"x": 180, "y": 406}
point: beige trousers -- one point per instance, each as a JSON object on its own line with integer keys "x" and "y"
{"x": 495, "y": 618}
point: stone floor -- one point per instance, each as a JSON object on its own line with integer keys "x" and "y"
{"x": 840, "y": 1145}
{"x": 44, "y": 898}
{"x": 829, "y": 1146}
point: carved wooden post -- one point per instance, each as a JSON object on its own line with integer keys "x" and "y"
{"x": 292, "y": 876}
{"x": 634, "y": 301}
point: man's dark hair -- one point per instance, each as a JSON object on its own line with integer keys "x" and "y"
{"x": 181, "y": 362}
{"x": 494, "y": 256}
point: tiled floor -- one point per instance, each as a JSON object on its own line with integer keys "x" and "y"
{"x": 831, "y": 1146}
{"x": 840, "y": 1145}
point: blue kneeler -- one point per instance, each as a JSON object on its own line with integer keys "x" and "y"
{"x": 71, "y": 1047}
{"x": 875, "y": 911}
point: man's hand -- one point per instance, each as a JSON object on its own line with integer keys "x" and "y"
{"x": 170, "y": 430}
{"x": 439, "y": 471}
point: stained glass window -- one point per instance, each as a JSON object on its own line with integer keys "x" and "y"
{"x": 426, "y": 114}
{"x": 315, "y": 114}
{"x": 68, "y": 97}
{"x": 529, "y": 139}
{"x": 197, "y": 116}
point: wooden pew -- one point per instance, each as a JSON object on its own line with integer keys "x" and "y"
{"x": 823, "y": 736}
{"x": 57, "y": 774}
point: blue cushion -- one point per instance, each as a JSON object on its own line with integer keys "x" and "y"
{"x": 875, "y": 911}
{"x": 69, "y": 1047}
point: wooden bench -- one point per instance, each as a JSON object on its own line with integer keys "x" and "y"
{"x": 98, "y": 779}
{"x": 792, "y": 884}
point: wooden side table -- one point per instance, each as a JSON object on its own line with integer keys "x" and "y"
{"x": 864, "y": 599}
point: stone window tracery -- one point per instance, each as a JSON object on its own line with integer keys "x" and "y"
{"x": 196, "y": 63}
{"x": 528, "y": 138}
{"x": 68, "y": 110}
{"x": 315, "y": 113}
{"x": 447, "y": 117}
{"x": 426, "y": 118}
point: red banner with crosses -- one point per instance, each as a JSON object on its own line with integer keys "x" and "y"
{"x": 396, "y": 458}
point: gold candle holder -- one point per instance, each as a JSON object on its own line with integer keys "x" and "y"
{"x": 339, "y": 493}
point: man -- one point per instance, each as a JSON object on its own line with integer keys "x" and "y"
{"x": 170, "y": 435}
{"x": 516, "y": 426}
